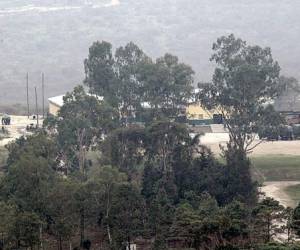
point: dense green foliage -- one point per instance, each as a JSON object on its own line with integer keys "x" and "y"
{"x": 170, "y": 194}
{"x": 134, "y": 84}
{"x": 245, "y": 80}
{"x": 151, "y": 183}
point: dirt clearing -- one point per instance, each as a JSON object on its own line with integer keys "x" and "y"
{"x": 214, "y": 140}
{"x": 17, "y": 128}
{"x": 276, "y": 190}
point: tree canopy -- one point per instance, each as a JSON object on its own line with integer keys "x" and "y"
{"x": 92, "y": 178}
{"x": 131, "y": 81}
{"x": 246, "y": 78}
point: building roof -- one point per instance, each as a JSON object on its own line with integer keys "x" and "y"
{"x": 59, "y": 100}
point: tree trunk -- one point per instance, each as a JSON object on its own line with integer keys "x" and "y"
{"x": 129, "y": 243}
{"x": 107, "y": 216}
{"x": 269, "y": 230}
{"x": 70, "y": 244}
{"x": 60, "y": 243}
{"x": 41, "y": 237}
{"x": 82, "y": 227}
{"x": 108, "y": 233}
{"x": 81, "y": 153}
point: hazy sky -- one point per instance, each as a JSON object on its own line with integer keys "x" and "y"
{"x": 55, "y": 39}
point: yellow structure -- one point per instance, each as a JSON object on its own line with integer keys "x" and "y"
{"x": 195, "y": 111}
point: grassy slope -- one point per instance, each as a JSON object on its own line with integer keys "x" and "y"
{"x": 277, "y": 167}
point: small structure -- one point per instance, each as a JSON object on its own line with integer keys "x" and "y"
{"x": 197, "y": 115}
{"x": 6, "y": 120}
{"x": 55, "y": 103}
{"x": 288, "y": 104}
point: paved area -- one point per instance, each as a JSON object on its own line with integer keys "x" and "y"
{"x": 17, "y": 128}
{"x": 214, "y": 140}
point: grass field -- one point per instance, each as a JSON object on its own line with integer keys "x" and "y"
{"x": 276, "y": 167}
{"x": 281, "y": 169}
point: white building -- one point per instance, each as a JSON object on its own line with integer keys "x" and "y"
{"x": 55, "y": 103}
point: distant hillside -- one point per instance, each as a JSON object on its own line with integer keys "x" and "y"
{"x": 54, "y": 36}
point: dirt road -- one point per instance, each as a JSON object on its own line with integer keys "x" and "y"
{"x": 276, "y": 190}
{"x": 17, "y": 128}
{"x": 214, "y": 140}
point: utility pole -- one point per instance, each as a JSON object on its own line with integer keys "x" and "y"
{"x": 36, "y": 108}
{"x": 27, "y": 92}
{"x": 43, "y": 94}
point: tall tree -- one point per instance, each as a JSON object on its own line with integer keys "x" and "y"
{"x": 103, "y": 183}
{"x": 237, "y": 180}
{"x": 83, "y": 121}
{"x": 26, "y": 185}
{"x": 162, "y": 140}
{"x": 268, "y": 215}
{"x": 115, "y": 76}
{"x": 129, "y": 215}
{"x": 133, "y": 83}
{"x": 245, "y": 79}
{"x": 167, "y": 86}
{"x": 163, "y": 137}
{"x": 100, "y": 72}
{"x": 63, "y": 219}
{"x": 128, "y": 61}
{"x": 124, "y": 148}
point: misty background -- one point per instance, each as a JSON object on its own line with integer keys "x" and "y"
{"x": 53, "y": 36}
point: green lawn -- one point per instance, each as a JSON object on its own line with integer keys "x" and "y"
{"x": 294, "y": 193}
{"x": 276, "y": 167}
